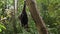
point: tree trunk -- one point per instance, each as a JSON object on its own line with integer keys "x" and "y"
{"x": 14, "y": 16}
{"x": 37, "y": 18}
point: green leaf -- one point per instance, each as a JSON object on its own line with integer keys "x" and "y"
{"x": 0, "y": 30}
{"x": 2, "y": 27}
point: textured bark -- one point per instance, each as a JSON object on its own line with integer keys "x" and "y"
{"x": 36, "y": 16}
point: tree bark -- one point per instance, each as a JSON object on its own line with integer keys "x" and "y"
{"x": 36, "y": 17}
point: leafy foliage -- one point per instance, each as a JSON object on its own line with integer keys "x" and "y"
{"x": 49, "y": 10}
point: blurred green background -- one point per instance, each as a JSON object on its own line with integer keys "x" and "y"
{"x": 49, "y": 10}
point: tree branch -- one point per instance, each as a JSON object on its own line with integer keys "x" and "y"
{"x": 36, "y": 16}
